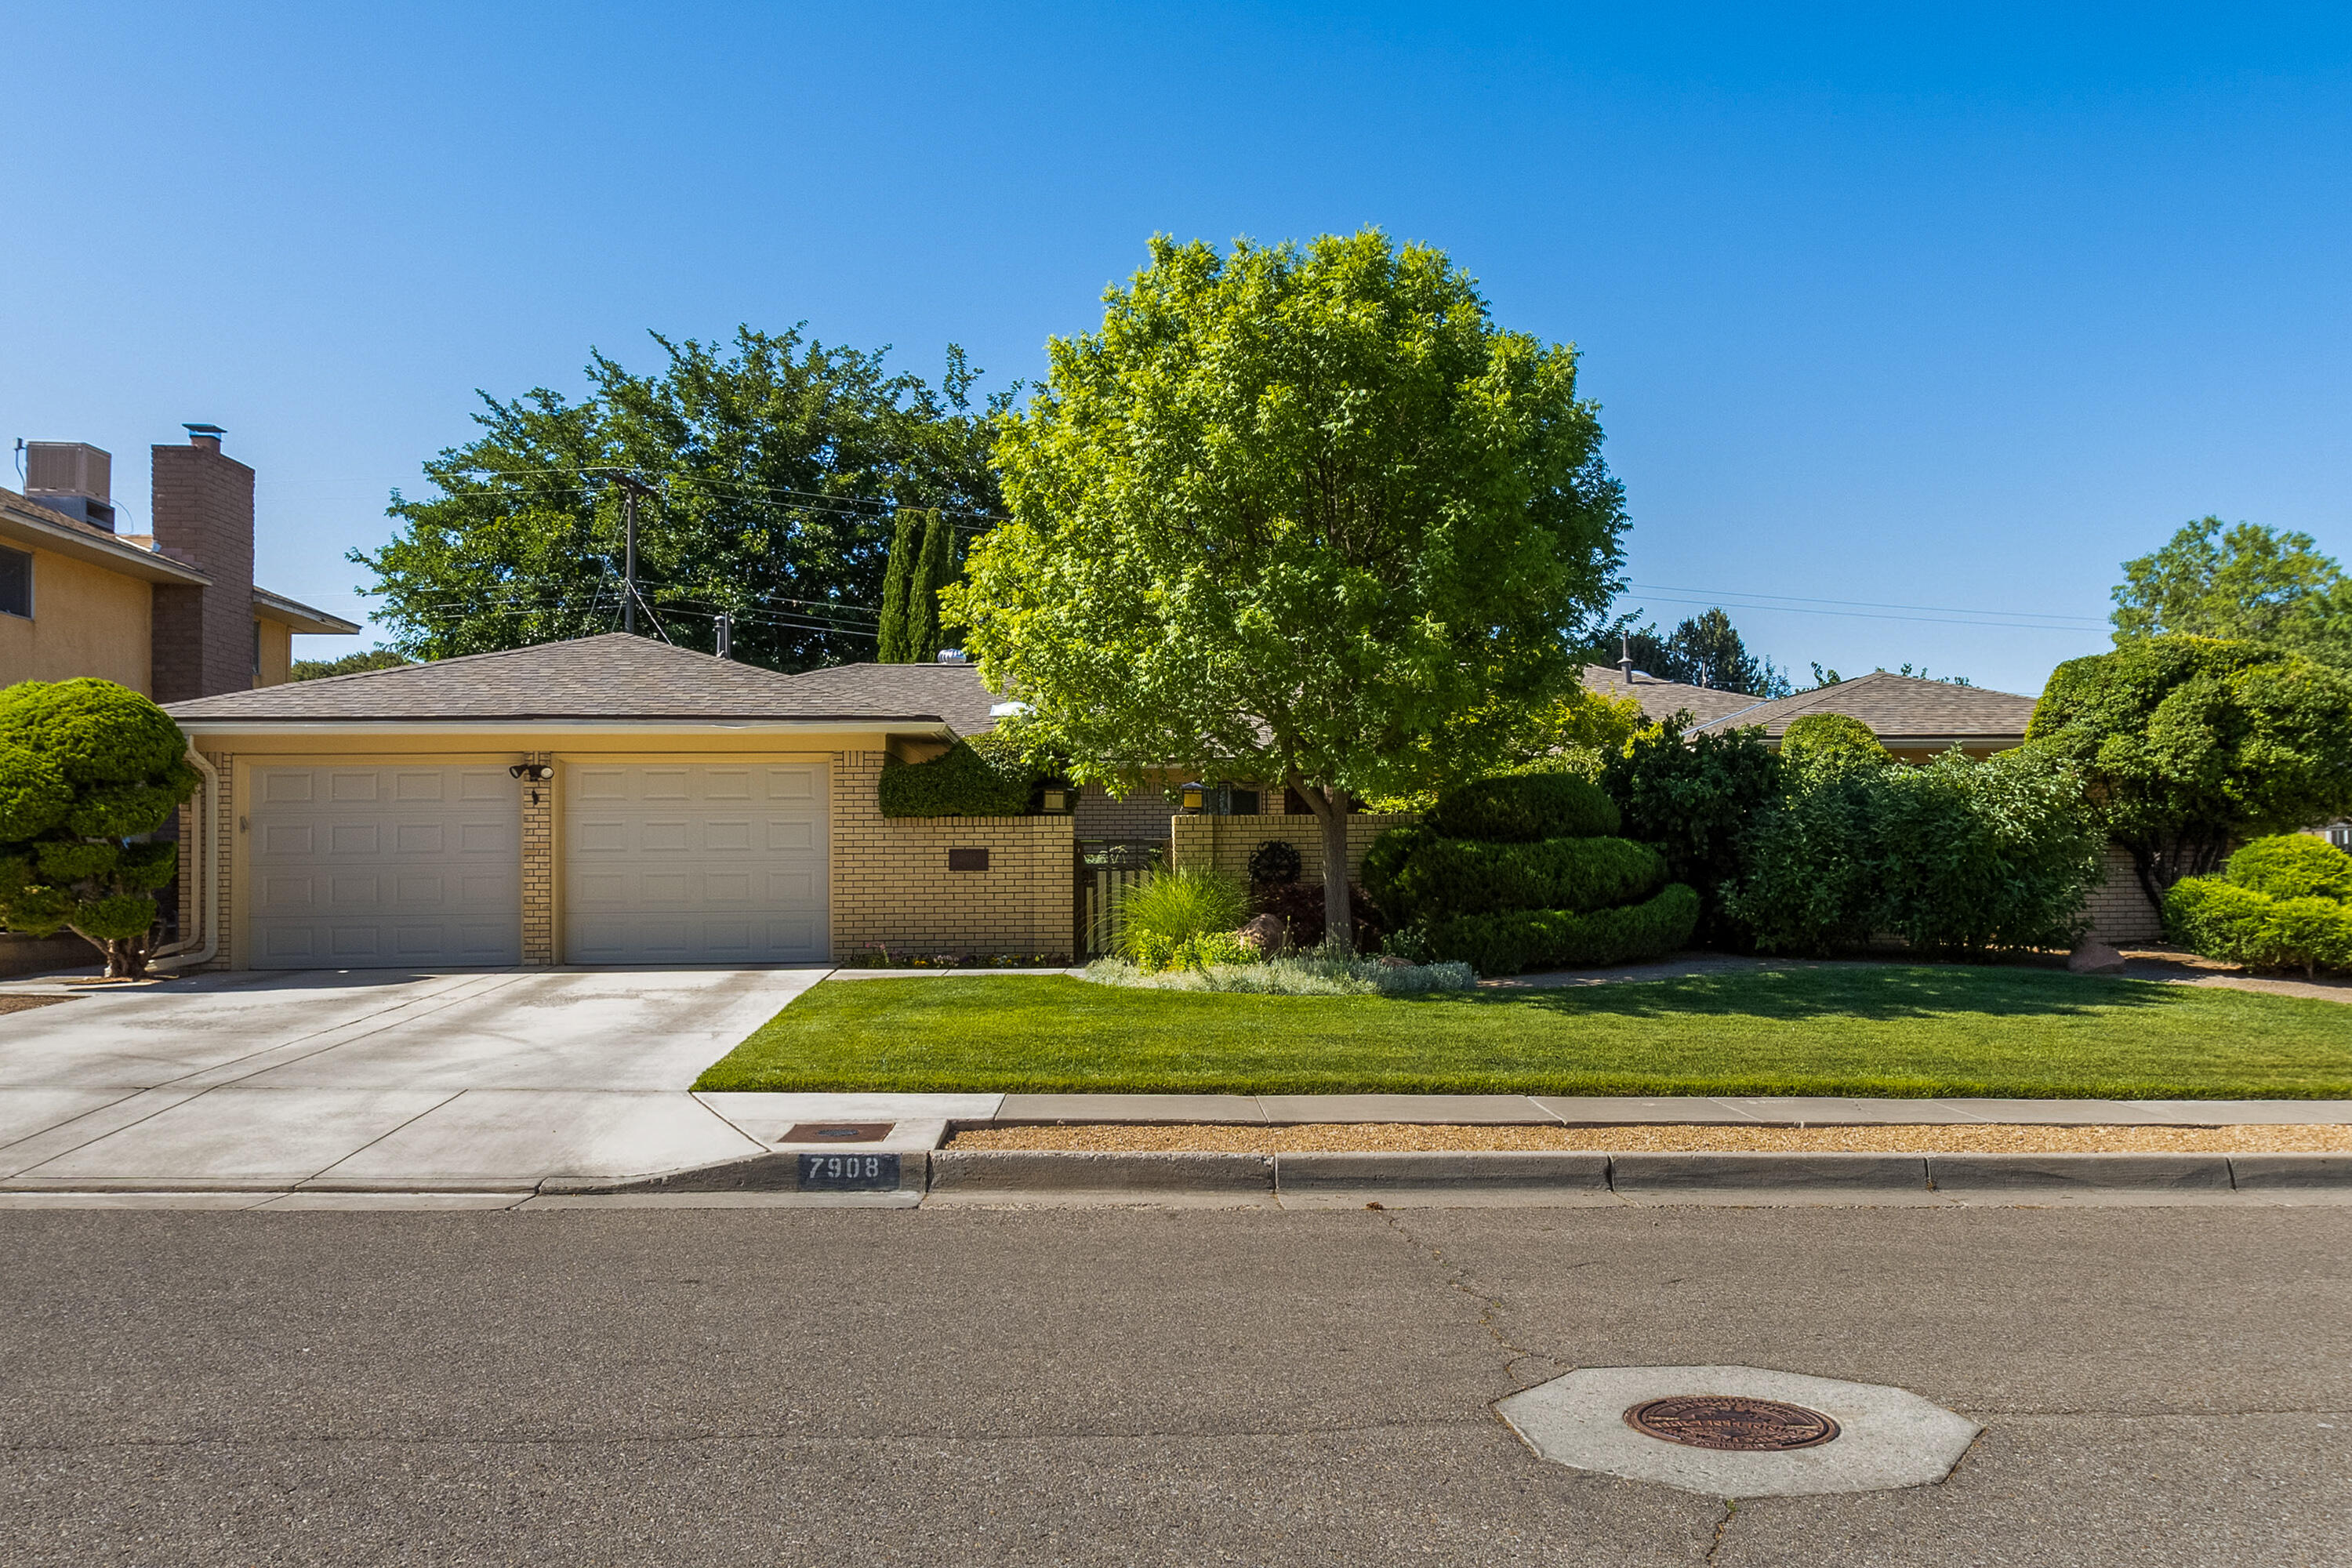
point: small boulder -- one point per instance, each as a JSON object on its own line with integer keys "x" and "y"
{"x": 2095, "y": 958}
{"x": 1267, "y": 935}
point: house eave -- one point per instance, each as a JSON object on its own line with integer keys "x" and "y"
{"x": 544, "y": 724}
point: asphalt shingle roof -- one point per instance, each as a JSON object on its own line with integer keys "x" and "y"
{"x": 1664, "y": 699}
{"x": 613, "y": 677}
{"x": 1898, "y": 708}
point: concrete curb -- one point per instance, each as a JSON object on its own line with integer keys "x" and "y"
{"x": 1468, "y": 1171}
{"x": 2290, "y": 1173}
{"x": 1641, "y": 1173}
{"x": 2076, "y": 1173}
{"x": 969, "y": 1174}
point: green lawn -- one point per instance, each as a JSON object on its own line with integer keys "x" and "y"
{"x": 1846, "y": 1029}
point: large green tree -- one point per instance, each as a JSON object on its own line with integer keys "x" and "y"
{"x": 1705, "y": 650}
{"x": 2241, "y": 582}
{"x": 778, "y": 461}
{"x": 2188, "y": 744}
{"x": 88, "y": 769}
{"x": 1300, "y": 513}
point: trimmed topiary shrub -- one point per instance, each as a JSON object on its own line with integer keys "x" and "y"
{"x": 2292, "y": 866}
{"x": 87, "y": 769}
{"x": 961, "y": 782}
{"x": 1559, "y": 938}
{"x": 1522, "y": 871}
{"x": 1521, "y": 808}
{"x": 1450, "y": 877}
{"x": 2276, "y": 906}
{"x": 1831, "y": 740}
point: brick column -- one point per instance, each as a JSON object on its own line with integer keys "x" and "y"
{"x": 538, "y": 866}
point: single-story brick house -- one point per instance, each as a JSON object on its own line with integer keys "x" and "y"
{"x": 609, "y": 800}
{"x": 1914, "y": 718}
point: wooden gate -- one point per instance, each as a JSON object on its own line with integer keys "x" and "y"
{"x": 1108, "y": 868}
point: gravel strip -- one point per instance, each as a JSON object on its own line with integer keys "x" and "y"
{"x": 1412, "y": 1138}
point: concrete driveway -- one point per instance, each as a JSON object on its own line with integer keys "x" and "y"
{"x": 476, "y": 1080}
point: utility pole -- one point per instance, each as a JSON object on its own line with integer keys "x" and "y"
{"x": 632, "y": 487}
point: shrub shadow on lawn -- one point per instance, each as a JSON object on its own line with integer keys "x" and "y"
{"x": 1878, "y": 993}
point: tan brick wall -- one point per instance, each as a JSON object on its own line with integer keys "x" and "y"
{"x": 892, "y": 887}
{"x": 538, "y": 866}
{"x": 2119, "y": 911}
{"x": 1224, "y": 843}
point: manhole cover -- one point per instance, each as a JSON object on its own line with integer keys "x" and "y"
{"x": 1728, "y": 1421}
{"x": 838, "y": 1131}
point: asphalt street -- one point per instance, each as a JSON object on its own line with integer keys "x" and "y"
{"x": 688, "y": 1387}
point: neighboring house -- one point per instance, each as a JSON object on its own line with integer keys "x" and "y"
{"x": 174, "y": 613}
{"x": 608, "y": 800}
{"x": 1914, "y": 718}
{"x": 1664, "y": 699}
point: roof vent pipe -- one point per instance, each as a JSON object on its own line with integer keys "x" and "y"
{"x": 1625, "y": 657}
{"x": 725, "y": 634}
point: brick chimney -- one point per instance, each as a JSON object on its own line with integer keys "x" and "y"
{"x": 203, "y": 513}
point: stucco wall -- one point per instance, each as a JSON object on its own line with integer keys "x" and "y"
{"x": 277, "y": 652}
{"x": 1224, "y": 843}
{"x": 892, "y": 887}
{"x": 86, "y": 620}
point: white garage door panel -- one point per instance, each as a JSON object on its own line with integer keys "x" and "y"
{"x": 360, "y": 867}
{"x": 695, "y": 864}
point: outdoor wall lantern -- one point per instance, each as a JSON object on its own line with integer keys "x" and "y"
{"x": 1192, "y": 797}
{"x": 1053, "y": 800}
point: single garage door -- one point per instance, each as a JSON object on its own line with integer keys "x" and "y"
{"x": 694, "y": 863}
{"x": 373, "y": 867}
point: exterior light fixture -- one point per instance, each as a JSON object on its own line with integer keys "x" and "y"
{"x": 537, "y": 772}
{"x": 1194, "y": 796}
{"x": 1054, "y": 800}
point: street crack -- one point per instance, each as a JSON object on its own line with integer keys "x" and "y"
{"x": 1490, "y": 1309}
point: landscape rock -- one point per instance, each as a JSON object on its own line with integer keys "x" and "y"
{"x": 2095, "y": 958}
{"x": 1267, "y": 934}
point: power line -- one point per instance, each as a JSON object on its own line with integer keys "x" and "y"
{"x": 2012, "y": 621}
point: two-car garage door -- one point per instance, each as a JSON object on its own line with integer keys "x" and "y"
{"x": 695, "y": 863}
{"x": 372, "y": 866}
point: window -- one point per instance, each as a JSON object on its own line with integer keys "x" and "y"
{"x": 15, "y": 583}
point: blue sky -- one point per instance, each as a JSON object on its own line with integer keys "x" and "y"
{"x": 1945, "y": 315}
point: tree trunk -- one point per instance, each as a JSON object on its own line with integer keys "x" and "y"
{"x": 1338, "y": 911}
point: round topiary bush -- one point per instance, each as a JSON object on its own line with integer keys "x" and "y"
{"x": 1833, "y": 739}
{"x": 1525, "y": 872}
{"x": 2292, "y": 866}
{"x": 87, "y": 769}
{"x": 2284, "y": 902}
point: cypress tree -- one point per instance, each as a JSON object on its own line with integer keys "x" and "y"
{"x": 896, "y": 589}
{"x": 933, "y": 571}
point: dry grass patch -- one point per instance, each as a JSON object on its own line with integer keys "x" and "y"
{"x": 1415, "y": 1138}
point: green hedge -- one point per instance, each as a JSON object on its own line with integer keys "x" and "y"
{"x": 959, "y": 782}
{"x": 1446, "y": 878}
{"x": 1559, "y": 939}
{"x": 1525, "y": 809}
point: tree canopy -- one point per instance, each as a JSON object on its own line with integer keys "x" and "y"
{"x": 779, "y": 461}
{"x": 1300, "y": 513}
{"x": 87, "y": 769}
{"x": 2241, "y": 582}
{"x": 349, "y": 664}
{"x": 2187, "y": 744}
{"x": 1705, "y": 650}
